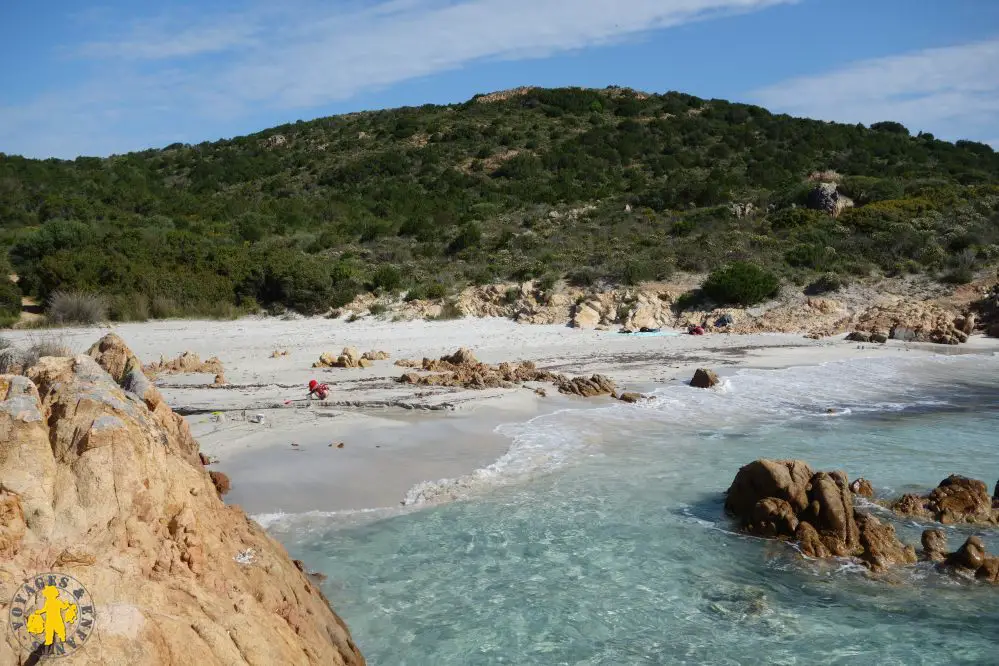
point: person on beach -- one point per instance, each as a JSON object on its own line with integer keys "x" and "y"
{"x": 317, "y": 390}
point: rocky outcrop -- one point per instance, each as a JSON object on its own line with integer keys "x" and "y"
{"x": 348, "y": 358}
{"x": 914, "y": 322}
{"x": 375, "y": 356}
{"x": 862, "y": 487}
{"x": 785, "y": 499}
{"x": 462, "y": 369}
{"x": 971, "y": 558}
{"x": 704, "y": 378}
{"x": 187, "y": 363}
{"x": 827, "y": 198}
{"x": 934, "y": 545}
{"x": 957, "y": 499}
{"x": 586, "y": 387}
{"x": 96, "y": 485}
{"x": 114, "y": 357}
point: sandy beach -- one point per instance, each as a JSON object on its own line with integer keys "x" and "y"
{"x": 396, "y": 436}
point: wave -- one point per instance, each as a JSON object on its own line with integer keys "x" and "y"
{"x": 746, "y": 400}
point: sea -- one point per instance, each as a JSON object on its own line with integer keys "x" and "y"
{"x": 600, "y": 537}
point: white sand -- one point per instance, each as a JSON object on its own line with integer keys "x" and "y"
{"x": 392, "y": 439}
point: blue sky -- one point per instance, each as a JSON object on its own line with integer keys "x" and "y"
{"x": 121, "y": 75}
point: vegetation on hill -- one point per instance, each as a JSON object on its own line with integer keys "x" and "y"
{"x": 593, "y": 186}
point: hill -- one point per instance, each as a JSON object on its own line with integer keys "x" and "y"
{"x": 595, "y": 186}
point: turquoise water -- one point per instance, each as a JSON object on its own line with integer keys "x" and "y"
{"x": 619, "y": 553}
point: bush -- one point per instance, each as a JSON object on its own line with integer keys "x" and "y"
{"x": 129, "y": 307}
{"x": 378, "y": 309}
{"x": 582, "y": 277}
{"x": 46, "y": 346}
{"x": 792, "y": 218}
{"x": 741, "y": 283}
{"x": 636, "y": 272}
{"x": 469, "y": 237}
{"x": 547, "y": 282}
{"x": 449, "y": 310}
{"x": 162, "y": 307}
{"x": 10, "y": 298}
{"x": 77, "y": 307}
{"x": 825, "y": 284}
{"x": 387, "y": 278}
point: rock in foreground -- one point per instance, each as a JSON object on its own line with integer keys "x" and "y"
{"x": 101, "y": 483}
{"x": 786, "y": 499}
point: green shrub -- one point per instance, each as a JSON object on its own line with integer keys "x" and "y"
{"x": 377, "y": 309}
{"x": 162, "y": 307}
{"x": 547, "y": 282}
{"x": 635, "y": 272}
{"x": 469, "y": 236}
{"x": 129, "y": 307}
{"x": 426, "y": 292}
{"x": 741, "y": 283}
{"x": 387, "y": 278}
{"x": 10, "y": 298}
{"x": 825, "y": 284}
{"x": 792, "y": 218}
{"x": 512, "y": 295}
{"x": 75, "y": 307}
{"x": 582, "y": 277}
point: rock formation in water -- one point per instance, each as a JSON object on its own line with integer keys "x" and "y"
{"x": 970, "y": 559}
{"x": 786, "y": 499}
{"x": 862, "y": 487}
{"x": 704, "y": 378}
{"x": 103, "y": 482}
{"x": 957, "y": 499}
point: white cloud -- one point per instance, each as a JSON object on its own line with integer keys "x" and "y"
{"x": 952, "y": 92}
{"x": 299, "y": 55}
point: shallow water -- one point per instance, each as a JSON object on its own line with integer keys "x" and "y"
{"x": 619, "y": 553}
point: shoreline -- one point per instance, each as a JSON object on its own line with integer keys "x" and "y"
{"x": 397, "y": 436}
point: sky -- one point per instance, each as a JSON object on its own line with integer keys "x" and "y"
{"x": 116, "y": 76}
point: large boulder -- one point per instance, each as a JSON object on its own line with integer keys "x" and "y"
{"x": 786, "y": 499}
{"x": 957, "y": 499}
{"x": 98, "y": 485}
{"x": 781, "y": 479}
{"x": 827, "y": 198}
{"x": 971, "y": 555}
{"x": 880, "y": 547}
{"x": 704, "y": 378}
{"x": 934, "y": 545}
{"x": 830, "y": 511}
{"x": 586, "y": 315}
